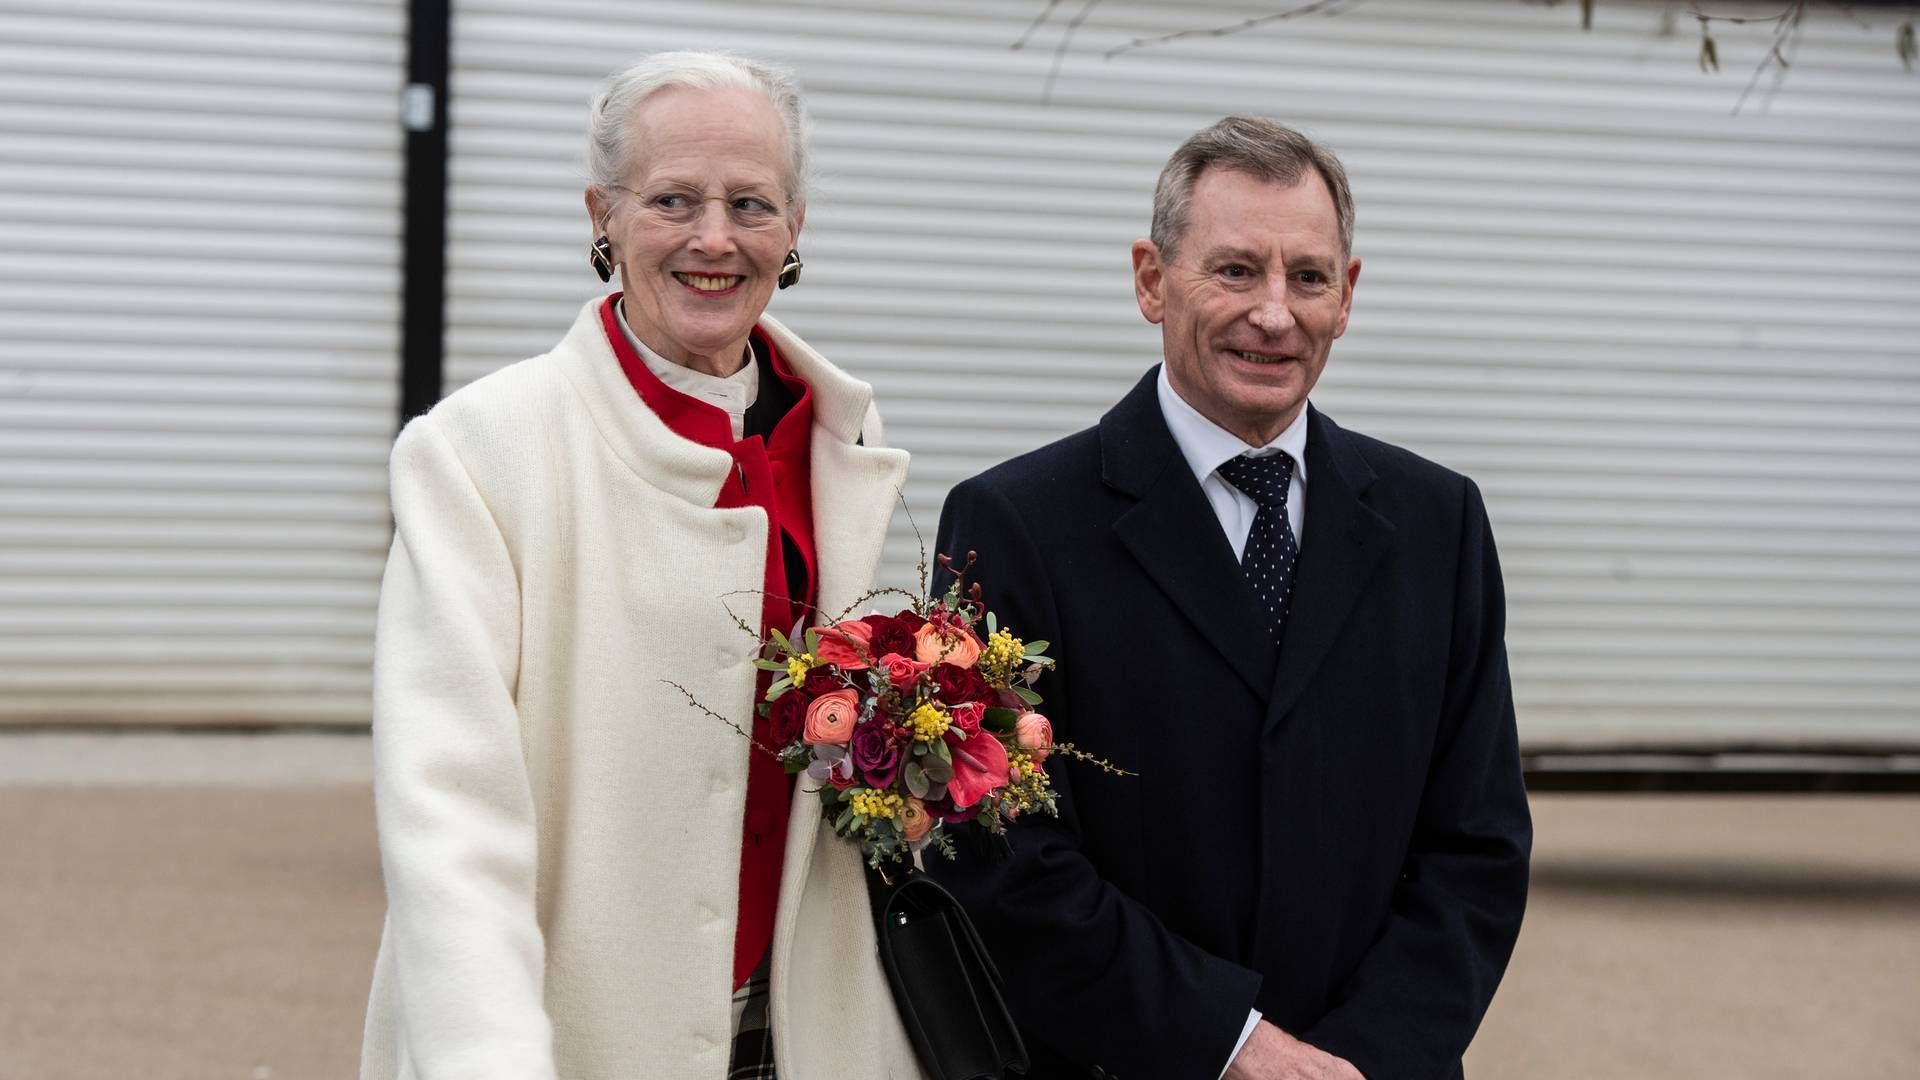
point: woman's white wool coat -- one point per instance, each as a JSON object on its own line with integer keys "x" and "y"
{"x": 559, "y": 830}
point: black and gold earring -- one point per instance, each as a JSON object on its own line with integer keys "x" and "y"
{"x": 600, "y": 257}
{"x": 790, "y": 270}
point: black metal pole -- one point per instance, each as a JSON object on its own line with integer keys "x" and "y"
{"x": 423, "y": 115}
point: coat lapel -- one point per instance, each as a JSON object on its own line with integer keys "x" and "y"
{"x": 1173, "y": 533}
{"x": 856, "y": 481}
{"x": 856, "y": 486}
{"x": 1345, "y": 541}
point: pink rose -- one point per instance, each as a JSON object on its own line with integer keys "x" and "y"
{"x": 915, "y": 821}
{"x": 831, "y": 717}
{"x": 966, "y": 718}
{"x": 957, "y": 646}
{"x": 844, "y": 645}
{"x": 979, "y": 767}
{"x": 1034, "y": 733}
{"x": 901, "y": 671}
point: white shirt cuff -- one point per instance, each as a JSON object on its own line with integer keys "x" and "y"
{"x": 1253, "y": 1021}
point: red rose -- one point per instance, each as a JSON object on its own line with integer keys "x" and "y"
{"x": 966, "y": 718}
{"x": 876, "y": 756}
{"x": 893, "y": 633}
{"x": 958, "y": 685}
{"x": 787, "y": 717}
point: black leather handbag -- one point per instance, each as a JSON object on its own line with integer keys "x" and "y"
{"x": 945, "y": 986}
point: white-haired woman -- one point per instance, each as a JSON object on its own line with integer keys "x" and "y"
{"x": 587, "y": 880}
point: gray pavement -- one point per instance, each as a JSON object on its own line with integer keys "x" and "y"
{"x": 207, "y": 906}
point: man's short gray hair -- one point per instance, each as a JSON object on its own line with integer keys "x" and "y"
{"x": 1253, "y": 145}
{"x": 610, "y": 118}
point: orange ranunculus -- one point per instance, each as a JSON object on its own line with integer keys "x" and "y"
{"x": 958, "y": 647}
{"x": 1034, "y": 734}
{"x": 914, "y": 820}
{"x": 831, "y": 717}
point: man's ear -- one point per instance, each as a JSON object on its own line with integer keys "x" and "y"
{"x": 1148, "y": 277}
{"x": 1346, "y": 296}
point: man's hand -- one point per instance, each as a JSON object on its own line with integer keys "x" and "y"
{"x": 1272, "y": 1054}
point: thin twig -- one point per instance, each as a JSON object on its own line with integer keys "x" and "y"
{"x": 874, "y": 594}
{"x": 1033, "y": 26}
{"x": 926, "y": 582}
{"x": 1789, "y": 25}
{"x": 1078, "y": 754}
{"x": 1222, "y": 31}
{"x": 1060, "y": 50}
{"x": 744, "y": 733}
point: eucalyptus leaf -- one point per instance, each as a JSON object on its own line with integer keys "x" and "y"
{"x": 780, "y": 639}
{"x": 846, "y": 818}
{"x": 769, "y": 665}
{"x": 780, "y": 686}
{"x": 939, "y": 750}
{"x": 935, "y": 791}
{"x": 939, "y": 773}
{"x": 813, "y": 639}
{"x": 993, "y": 624}
{"x": 1027, "y": 695}
{"x": 916, "y": 778}
{"x": 1036, "y": 648}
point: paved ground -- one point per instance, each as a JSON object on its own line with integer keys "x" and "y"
{"x": 176, "y": 910}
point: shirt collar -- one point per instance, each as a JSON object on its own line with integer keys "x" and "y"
{"x": 734, "y": 393}
{"x": 1206, "y": 445}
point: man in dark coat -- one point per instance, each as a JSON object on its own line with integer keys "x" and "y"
{"x": 1293, "y": 635}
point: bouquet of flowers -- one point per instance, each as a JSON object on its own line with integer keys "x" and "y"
{"x": 913, "y": 722}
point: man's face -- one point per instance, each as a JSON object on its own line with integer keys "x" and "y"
{"x": 1251, "y": 302}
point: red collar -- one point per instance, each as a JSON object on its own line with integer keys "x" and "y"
{"x": 688, "y": 416}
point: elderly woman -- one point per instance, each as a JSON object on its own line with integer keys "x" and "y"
{"x": 586, "y": 878}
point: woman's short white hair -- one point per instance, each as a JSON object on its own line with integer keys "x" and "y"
{"x": 609, "y": 119}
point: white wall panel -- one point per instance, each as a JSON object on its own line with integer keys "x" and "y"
{"x": 199, "y": 342}
{"x": 1676, "y": 346}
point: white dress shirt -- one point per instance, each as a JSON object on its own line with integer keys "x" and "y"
{"x": 734, "y": 394}
{"x": 1206, "y": 446}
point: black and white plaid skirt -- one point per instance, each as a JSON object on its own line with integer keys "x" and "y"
{"x": 752, "y": 1029}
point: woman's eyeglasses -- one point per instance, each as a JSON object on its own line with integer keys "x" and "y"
{"x": 677, "y": 208}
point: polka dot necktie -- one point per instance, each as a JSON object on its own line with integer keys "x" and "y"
{"x": 1271, "y": 550}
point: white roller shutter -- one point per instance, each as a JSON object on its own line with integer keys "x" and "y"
{"x": 1677, "y": 347}
{"x": 199, "y": 324}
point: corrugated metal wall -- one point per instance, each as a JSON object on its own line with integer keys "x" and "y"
{"x": 199, "y": 320}
{"x": 1676, "y": 346}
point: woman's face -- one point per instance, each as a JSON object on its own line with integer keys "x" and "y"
{"x": 694, "y": 288}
